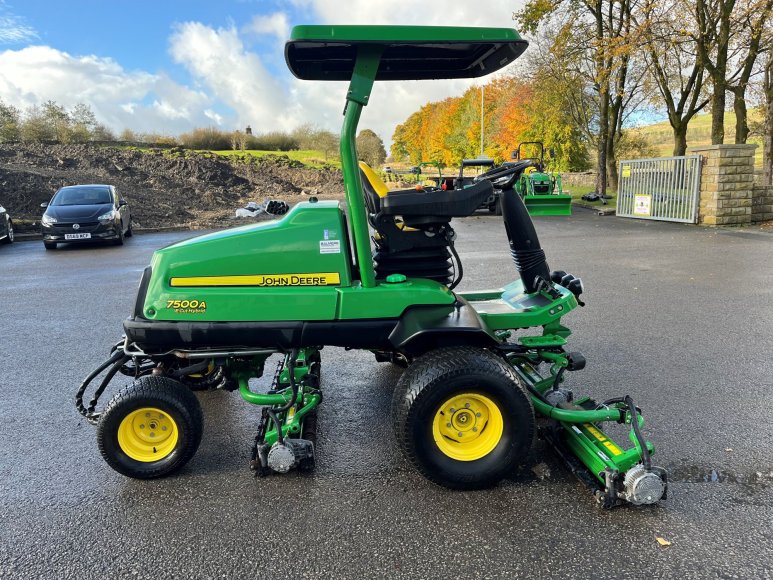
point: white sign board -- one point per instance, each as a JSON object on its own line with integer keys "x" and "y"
{"x": 642, "y": 204}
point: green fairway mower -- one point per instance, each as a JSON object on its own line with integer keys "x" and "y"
{"x": 211, "y": 310}
{"x": 541, "y": 191}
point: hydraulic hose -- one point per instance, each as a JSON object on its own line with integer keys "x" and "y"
{"x": 117, "y": 360}
{"x": 294, "y": 386}
{"x": 460, "y": 273}
{"x": 645, "y": 453}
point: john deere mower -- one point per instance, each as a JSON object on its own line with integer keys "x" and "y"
{"x": 481, "y": 366}
{"x": 541, "y": 191}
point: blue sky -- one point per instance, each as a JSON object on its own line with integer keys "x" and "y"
{"x": 168, "y": 66}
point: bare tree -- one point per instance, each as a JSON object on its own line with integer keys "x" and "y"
{"x": 675, "y": 65}
{"x": 767, "y": 137}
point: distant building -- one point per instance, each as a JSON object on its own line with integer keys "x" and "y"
{"x": 248, "y": 130}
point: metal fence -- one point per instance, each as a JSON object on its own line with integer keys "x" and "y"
{"x": 666, "y": 188}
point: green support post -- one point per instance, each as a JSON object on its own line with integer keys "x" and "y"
{"x": 365, "y": 69}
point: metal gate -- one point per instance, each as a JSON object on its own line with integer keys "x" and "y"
{"x": 666, "y": 188}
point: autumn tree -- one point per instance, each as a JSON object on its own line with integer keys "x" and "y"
{"x": 596, "y": 38}
{"x": 675, "y": 66}
{"x": 728, "y": 36}
{"x": 370, "y": 148}
{"x": 767, "y": 138}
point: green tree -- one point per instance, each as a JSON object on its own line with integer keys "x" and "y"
{"x": 370, "y": 148}
{"x": 82, "y": 123}
{"x": 35, "y": 126}
{"x": 9, "y": 123}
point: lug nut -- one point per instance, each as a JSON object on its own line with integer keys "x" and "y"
{"x": 466, "y": 405}
{"x": 477, "y": 414}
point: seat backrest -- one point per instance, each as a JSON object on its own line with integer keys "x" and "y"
{"x": 373, "y": 186}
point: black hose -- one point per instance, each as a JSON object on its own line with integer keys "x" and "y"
{"x": 525, "y": 248}
{"x": 273, "y": 417}
{"x": 645, "y": 453}
{"x": 294, "y": 386}
{"x": 115, "y": 356}
{"x": 92, "y": 416}
{"x": 459, "y": 263}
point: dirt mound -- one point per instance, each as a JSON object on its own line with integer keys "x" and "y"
{"x": 164, "y": 188}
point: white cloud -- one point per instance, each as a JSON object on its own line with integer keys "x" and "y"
{"x": 218, "y": 60}
{"x": 12, "y": 28}
{"x": 225, "y": 72}
{"x": 119, "y": 98}
{"x": 275, "y": 24}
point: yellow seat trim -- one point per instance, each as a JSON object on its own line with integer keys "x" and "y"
{"x": 376, "y": 182}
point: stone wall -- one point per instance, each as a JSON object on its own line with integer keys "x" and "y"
{"x": 727, "y": 181}
{"x": 762, "y": 203}
{"x": 578, "y": 179}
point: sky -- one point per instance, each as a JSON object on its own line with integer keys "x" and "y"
{"x": 168, "y": 66}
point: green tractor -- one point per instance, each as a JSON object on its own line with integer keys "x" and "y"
{"x": 482, "y": 366}
{"x": 541, "y": 191}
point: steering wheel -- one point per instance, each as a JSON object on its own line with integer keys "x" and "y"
{"x": 504, "y": 176}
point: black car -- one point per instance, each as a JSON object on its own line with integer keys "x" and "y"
{"x": 6, "y": 227}
{"x": 80, "y": 213}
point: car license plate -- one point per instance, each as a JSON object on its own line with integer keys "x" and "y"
{"x": 77, "y": 236}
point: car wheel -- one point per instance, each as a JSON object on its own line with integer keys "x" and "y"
{"x": 9, "y": 237}
{"x": 119, "y": 239}
{"x": 129, "y": 232}
{"x": 50, "y": 245}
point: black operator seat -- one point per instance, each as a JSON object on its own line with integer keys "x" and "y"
{"x": 417, "y": 207}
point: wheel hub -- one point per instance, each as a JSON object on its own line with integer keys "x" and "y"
{"x": 147, "y": 434}
{"x": 468, "y": 426}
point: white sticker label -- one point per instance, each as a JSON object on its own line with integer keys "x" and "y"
{"x": 330, "y": 246}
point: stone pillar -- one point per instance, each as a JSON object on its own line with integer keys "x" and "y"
{"x": 727, "y": 178}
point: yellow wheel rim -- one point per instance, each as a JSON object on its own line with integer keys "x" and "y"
{"x": 467, "y": 426}
{"x": 147, "y": 434}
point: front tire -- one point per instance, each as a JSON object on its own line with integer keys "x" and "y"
{"x": 49, "y": 245}
{"x": 461, "y": 417}
{"x": 129, "y": 232}
{"x": 150, "y": 428}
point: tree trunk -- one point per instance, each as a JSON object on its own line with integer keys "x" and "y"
{"x": 741, "y": 118}
{"x": 612, "y": 177}
{"x": 601, "y": 161}
{"x": 767, "y": 137}
{"x": 680, "y": 139}
{"x": 718, "y": 113}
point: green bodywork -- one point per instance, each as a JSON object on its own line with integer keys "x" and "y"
{"x": 225, "y": 271}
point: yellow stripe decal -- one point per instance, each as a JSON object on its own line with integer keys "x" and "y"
{"x": 263, "y": 280}
{"x": 614, "y": 449}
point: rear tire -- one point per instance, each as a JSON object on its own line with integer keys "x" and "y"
{"x": 475, "y": 393}
{"x": 150, "y": 428}
{"x": 50, "y": 245}
{"x": 498, "y": 206}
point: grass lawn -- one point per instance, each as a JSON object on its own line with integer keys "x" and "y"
{"x": 311, "y": 158}
{"x": 578, "y": 191}
{"x": 661, "y": 136}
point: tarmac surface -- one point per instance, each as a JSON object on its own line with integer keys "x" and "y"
{"x": 679, "y": 317}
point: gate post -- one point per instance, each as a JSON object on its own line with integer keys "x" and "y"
{"x": 727, "y": 179}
